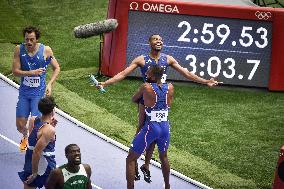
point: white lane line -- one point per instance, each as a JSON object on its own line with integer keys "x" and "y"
{"x": 9, "y": 140}
{"x": 95, "y": 186}
{"x": 16, "y": 144}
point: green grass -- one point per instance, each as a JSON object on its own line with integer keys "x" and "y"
{"x": 12, "y": 22}
{"x": 223, "y": 137}
{"x": 272, "y": 3}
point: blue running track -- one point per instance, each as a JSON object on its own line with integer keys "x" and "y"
{"x": 105, "y": 156}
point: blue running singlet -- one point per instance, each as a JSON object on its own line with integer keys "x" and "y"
{"x": 33, "y": 86}
{"x": 162, "y": 62}
{"x": 156, "y": 127}
{"x": 46, "y": 163}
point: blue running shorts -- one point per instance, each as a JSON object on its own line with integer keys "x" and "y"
{"x": 152, "y": 132}
{"x": 27, "y": 106}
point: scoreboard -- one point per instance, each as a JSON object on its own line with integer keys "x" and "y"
{"x": 238, "y": 45}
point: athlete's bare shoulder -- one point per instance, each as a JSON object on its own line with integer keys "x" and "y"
{"x": 17, "y": 51}
{"x": 147, "y": 86}
{"x": 88, "y": 169}
{"x": 170, "y": 85}
{"x": 55, "y": 179}
{"x": 48, "y": 51}
{"x": 139, "y": 60}
{"x": 47, "y": 48}
{"x": 48, "y": 132}
{"x": 57, "y": 172}
{"x": 17, "y": 47}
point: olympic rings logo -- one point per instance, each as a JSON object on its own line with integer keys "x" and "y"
{"x": 263, "y": 15}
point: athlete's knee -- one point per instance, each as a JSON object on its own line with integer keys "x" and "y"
{"x": 163, "y": 156}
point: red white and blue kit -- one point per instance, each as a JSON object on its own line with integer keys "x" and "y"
{"x": 157, "y": 126}
{"x": 162, "y": 62}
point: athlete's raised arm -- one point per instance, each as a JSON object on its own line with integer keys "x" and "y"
{"x": 138, "y": 61}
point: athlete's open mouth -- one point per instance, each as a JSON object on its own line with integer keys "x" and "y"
{"x": 158, "y": 45}
{"x": 78, "y": 158}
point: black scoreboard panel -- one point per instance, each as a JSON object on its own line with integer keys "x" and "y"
{"x": 236, "y": 51}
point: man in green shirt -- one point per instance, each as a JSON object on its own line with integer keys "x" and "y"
{"x": 71, "y": 175}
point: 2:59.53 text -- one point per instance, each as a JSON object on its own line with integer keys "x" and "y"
{"x": 209, "y": 32}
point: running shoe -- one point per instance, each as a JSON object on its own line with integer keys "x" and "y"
{"x": 23, "y": 144}
{"x": 147, "y": 175}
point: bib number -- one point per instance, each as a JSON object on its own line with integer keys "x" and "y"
{"x": 31, "y": 81}
{"x": 164, "y": 78}
{"x": 159, "y": 116}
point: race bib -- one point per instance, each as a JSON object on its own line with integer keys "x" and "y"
{"x": 159, "y": 116}
{"x": 31, "y": 81}
{"x": 164, "y": 78}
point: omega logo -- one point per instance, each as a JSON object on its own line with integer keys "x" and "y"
{"x": 154, "y": 7}
{"x": 133, "y": 6}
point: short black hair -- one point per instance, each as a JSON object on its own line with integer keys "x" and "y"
{"x": 152, "y": 36}
{"x": 157, "y": 71}
{"x": 67, "y": 148}
{"x": 31, "y": 29}
{"x": 46, "y": 105}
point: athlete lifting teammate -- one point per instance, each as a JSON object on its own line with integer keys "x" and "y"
{"x": 155, "y": 57}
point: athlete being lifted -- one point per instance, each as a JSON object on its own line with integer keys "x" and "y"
{"x": 154, "y": 57}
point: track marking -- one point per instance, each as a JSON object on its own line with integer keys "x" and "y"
{"x": 9, "y": 140}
